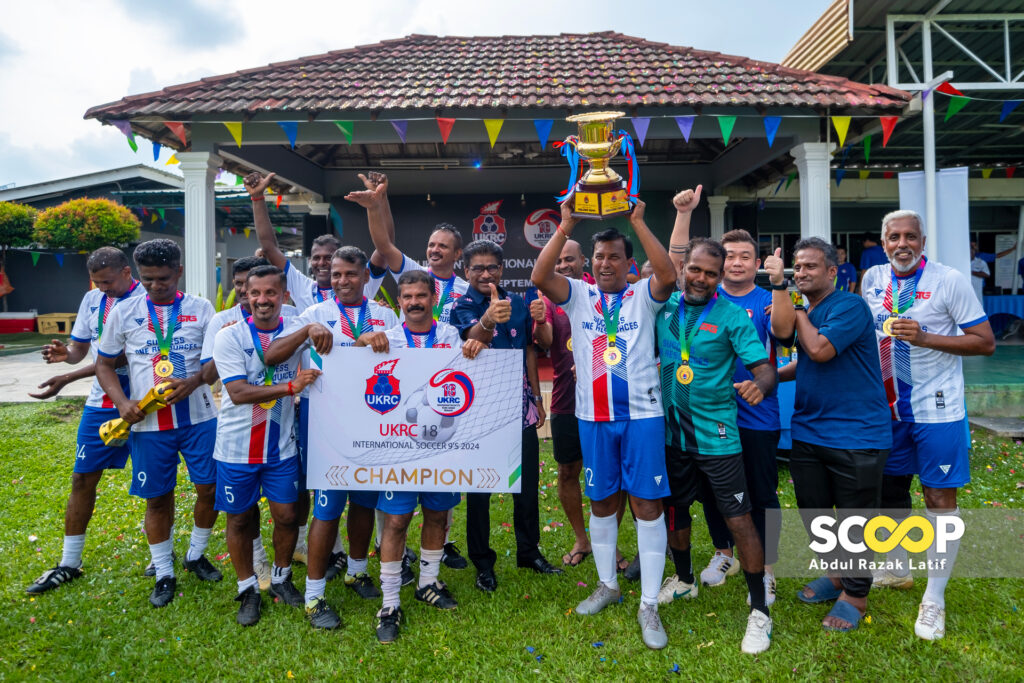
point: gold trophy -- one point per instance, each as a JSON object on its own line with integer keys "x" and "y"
{"x": 601, "y": 192}
{"x": 114, "y": 433}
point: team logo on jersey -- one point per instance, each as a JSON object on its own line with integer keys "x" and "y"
{"x": 331, "y": 322}
{"x": 92, "y": 309}
{"x": 489, "y": 225}
{"x": 878, "y": 291}
{"x": 450, "y": 392}
{"x": 140, "y": 320}
{"x": 249, "y": 351}
{"x": 382, "y": 394}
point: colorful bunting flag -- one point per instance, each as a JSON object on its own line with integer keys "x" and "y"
{"x": 445, "y": 126}
{"x": 172, "y": 161}
{"x": 60, "y": 259}
{"x": 685, "y": 124}
{"x": 346, "y": 128}
{"x": 725, "y": 124}
{"x": 1010, "y": 170}
{"x": 247, "y": 231}
{"x": 779, "y": 186}
{"x": 543, "y": 127}
{"x": 888, "y": 175}
{"x": 842, "y": 126}
{"x": 278, "y": 229}
{"x": 863, "y": 175}
{"x": 156, "y": 151}
{"x": 277, "y": 204}
{"x": 867, "y": 148}
{"x": 400, "y": 128}
{"x": 233, "y": 231}
{"x": 771, "y": 127}
{"x": 178, "y": 129}
{"x": 1008, "y": 107}
{"x": 291, "y": 129}
{"x": 493, "y": 127}
{"x": 161, "y": 212}
{"x": 336, "y": 221}
{"x": 35, "y": 258}
{"x": 986, "y": 173}
{"x": 235, "y": 128}
{"x": 295, "y": 231}
{"x": 948, "y": 89}
{"x": 789, "y": 179}
{"x": 840, "y": 174}
{"x": 640, "y": 125}
{"x": 152, "y": 218}
{"x": 888, "y": 124}
{"x": 956, "y": 103}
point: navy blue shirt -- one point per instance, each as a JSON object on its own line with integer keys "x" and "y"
{"x": 873, "y": 256}
{"x": 765, "y": 415}
{"x": 846, "y": 277}
{"x": 841, "y": 403}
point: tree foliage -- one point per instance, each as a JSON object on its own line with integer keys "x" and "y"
{"x": 86, "y": 224}
{"x": 16, "y": 221}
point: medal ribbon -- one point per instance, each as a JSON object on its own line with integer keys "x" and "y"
{"x": 446, "y": 291}
{"x": 322, "y": 295}
{"x": 893, "y": 295}
{"x": 164, "y": 341}
{"x": 611, "y": 317}
{"x": 257, "y": 340}
{"x": 685, "y": 341}
{"x": 105, "y": 302}
{"x": 431, "y": 336}
{"x": 363, "y": 310}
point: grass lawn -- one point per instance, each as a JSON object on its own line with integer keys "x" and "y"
{"x": 103, "y": 626}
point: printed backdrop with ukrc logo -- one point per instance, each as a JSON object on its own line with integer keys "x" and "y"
{"x": 417, "y": 420}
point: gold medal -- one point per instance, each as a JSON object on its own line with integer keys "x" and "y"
{"x": 887, "y": 326}
{"x": 684, "y": 375}
{"x": 612, "y": 356}
{"x": 568, "y": 343}
{"x": 164, "y": 368}
{"x": 267, "y": 405}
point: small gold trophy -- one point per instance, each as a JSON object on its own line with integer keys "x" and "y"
{"x": 601, "y": 192}
{"x": 114, "y": 433}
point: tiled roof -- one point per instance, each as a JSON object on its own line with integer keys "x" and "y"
{"x": 550, "y": 72}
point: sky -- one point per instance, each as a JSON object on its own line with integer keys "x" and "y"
{"x": 60, "y": 57}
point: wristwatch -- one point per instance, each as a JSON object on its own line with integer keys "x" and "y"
{"x": 779, "y": 287}
{"x": 799, "y": 307}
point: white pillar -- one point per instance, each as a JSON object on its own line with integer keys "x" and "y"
{"x": 812, "y": 160}
{"x": 717, "y": 205}
{"x": 199, "y": 169}
{"x": 931, "y": 214}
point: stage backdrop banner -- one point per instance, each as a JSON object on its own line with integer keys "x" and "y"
{"x": 417, "y": 420}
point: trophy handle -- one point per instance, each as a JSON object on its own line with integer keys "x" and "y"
{"x": 616, "y": 146}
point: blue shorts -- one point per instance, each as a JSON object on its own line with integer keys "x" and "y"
{"x": 155, "y": 458}
{"x": 302, "y": 440}
{"x": 91, "y": 454}
{"x": 329, "y": 504}
{"x": 937, "y": 453}
{"x": 628, "y": 455}
{"x": 239, "y": 484}
{"x": 404, "y": 502}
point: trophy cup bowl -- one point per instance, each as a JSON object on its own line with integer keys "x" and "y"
{"x": 601, "y": 192}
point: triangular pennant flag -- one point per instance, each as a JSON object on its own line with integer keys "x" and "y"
{"x": 789, "y": 179}
{"x": 986, "y": 173}
{"x": 685, "y": 124}
{"x": 946, "y": 88}
{"x": 840, "y": 174}
{"x": 888, "y": 175}
{"x": 156, "y": 151}
{"x": 144, "y": 212}
{"x": 779, "y": 186}
{"x": 725, "y": 124}
{"x": 863, "y": 175}
{"x": 867, "y": 148}
{"x": 291, "y": 129}
{"x": 346, "y": 128}
{"x": 543, "y": 127}
{"x": 277, "y": 204}
{"x": 123, "y": 125}
{"x": 161, "y": 212}
{"x": 445, "y": 126}
{"x": 400, "y": 127}
{"x": 178, "y": 129}
{"x": 956, "y": 103}
{"x": 222, "y": 234}
{"x": 295, "y": 231}
{"x": 1010, "y": 170}
{"x": 60, "y": 259}
{"x": 493, "y": 127}
{"x": 173, "y": 160}
{"x": 232, "y": 231}
{"x": 1008, "y": 107}
{"x": 227, "y": 210}
{"x": 640, "y": 125}
{"x": 888, "y": 124}
{"x": 278, "y": 228}
{"x": 771, "y": 127}
{"x": 235, "y": 128}
{"x": 131, "y": 143}
{"x": 336, "y": 221}
{"x": 247, "y": 231}
{"x": 35, "y": 258}
{"x": 238, "y": 180}
{"x": 842, "y": 126}
{"x": 925, "y": 94}
{"x": 152, "y": 218}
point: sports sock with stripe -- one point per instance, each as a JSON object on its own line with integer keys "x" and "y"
{"x": 279, "y": 575}
{"x": 247, "y": 584}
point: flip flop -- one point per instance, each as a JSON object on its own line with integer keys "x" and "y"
{"x": 622, "y": 565}
{"x": 578, "y": 555}
{"x": 847, "y": 612}
{"x": 823, "y": 589}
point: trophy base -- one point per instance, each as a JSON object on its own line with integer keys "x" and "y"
{"x": 600, "y": 201}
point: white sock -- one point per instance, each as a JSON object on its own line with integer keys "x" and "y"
{"x": 378, "y": 527}
{"x": 604, "y": 532}
{"x": 161, "y": 554}
{"x": 448, "y": 526}
{"x": 357, "y": 567}
{"x": 259, "y": 553}
{"x": 338, "y": 544}
{"x": 315, "y": 589}
{"x": 301, "y": 543}
{"x": 935, "y": 591}
{"x": 247, "y": 584}
{"x": 73, "y": 551}
{"x": 391, "y": 583}
{"x": 430, "y": 566}
{"x": 651, "y": 537}
{"x": 279, "y": 575}
{"x": 197, "y": 544}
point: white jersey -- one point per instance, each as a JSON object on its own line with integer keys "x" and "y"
{"x": 94, "y": 310}
{"x": 252, "y": 433}
{"x": 231, "y": 316}
{"x": 630, "y": 389}
{"x": 305, "y": 292}
{"x": 923, "y": 385}
{"x": 129, "y": 330}
{"x": 448, "y": 290}
{"x": 445, "y": 337}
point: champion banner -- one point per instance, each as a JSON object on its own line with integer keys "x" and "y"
{"x": 417, "y": 420}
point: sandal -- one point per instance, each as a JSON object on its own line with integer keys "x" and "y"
{"x": 621, "y": 565}
{"x": 847, "y": 612}
{"x": 823, "y": 589}
{"x": 575, "y": 558}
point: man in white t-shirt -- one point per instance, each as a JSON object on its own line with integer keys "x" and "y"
{"x": 926, "y": 319}
{"x": 161, "y": 334}
{"x": 111, "y": 274}
{"x": 979, "y": 272}
{"x": 618, "y": 400}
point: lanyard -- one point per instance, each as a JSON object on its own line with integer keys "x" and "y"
{"x": 894, "y": 289}
{"x": 431, "y": 336}
{"x": 257, "y": 340}
{"x": 321, "y": 295}
{"x": 686, "y": 341}
{"x": 355, "y": 330}
{"x": 103, "y": 307}
{"x": 442, "y": 299}
{"x": 164, "y": 341}
{"x": 611, "y": 317}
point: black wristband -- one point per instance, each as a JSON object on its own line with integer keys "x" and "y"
{"x": 779, "y": 287}
{"x": 799, "y": 307}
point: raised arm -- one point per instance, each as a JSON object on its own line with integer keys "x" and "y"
{"x": 378, "y": 216}
{"x": 543, "y": 330}
{"x": 257, "y": 186}
{"x": 685, "y": 202}
{"x": 663, "y": 282}
{"x": 783, "y": 317}
{"x": 553, "y": 285}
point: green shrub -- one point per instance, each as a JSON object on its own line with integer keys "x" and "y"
{"x": 86, "y": 224}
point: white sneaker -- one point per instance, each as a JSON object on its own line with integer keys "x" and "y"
{"x": 758, "y": 637}
{"x": 884, "y": 578}
{"x": 301, "y": 552}
{"x": 720, "y": 567}
{"x": 651, "y": 630}
{"x": 263, "y": 574}
{"x": 931, "y": 621}
{"x": 673, "y": 588}
{"x": 769, "y": 590}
